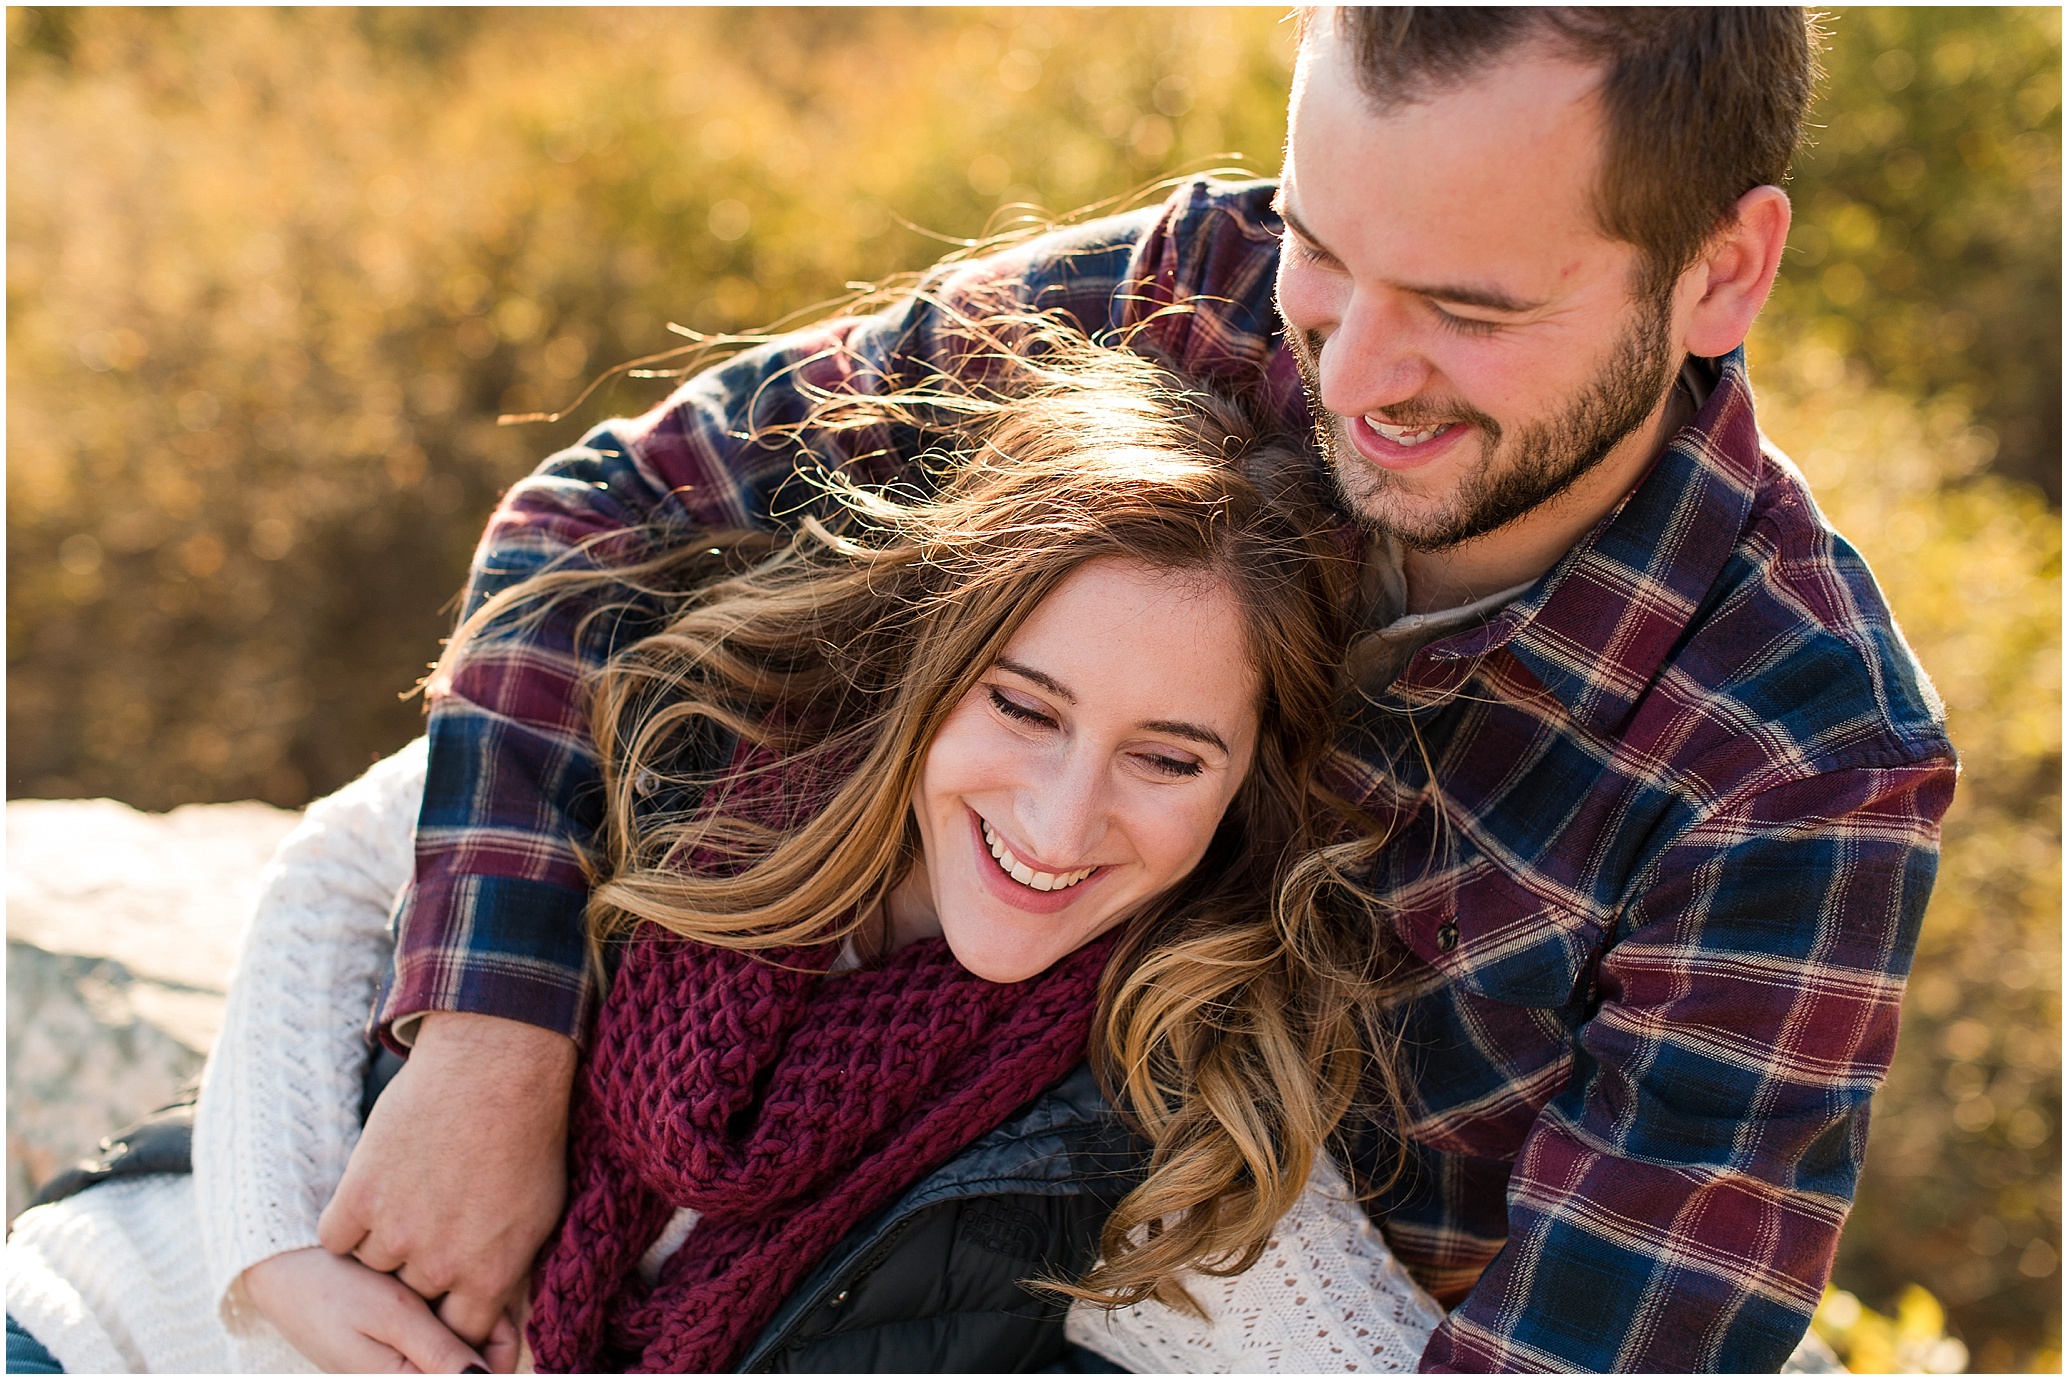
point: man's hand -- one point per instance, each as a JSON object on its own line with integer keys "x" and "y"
{"x": 347, "y": 1318}
{"x": 462, "y": 1170}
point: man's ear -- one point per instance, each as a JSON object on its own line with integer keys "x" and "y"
{"x": 1731, "y": 280}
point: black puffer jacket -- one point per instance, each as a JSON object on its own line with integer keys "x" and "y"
{"x": 934, "y": 1281}
{"x": 931, "y": 1283}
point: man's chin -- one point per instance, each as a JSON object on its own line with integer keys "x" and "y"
{"x": 1415, "y": 526}
{"x": 1389, "y": 503}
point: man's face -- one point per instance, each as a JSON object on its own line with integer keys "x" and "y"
{"x": 1469, "y": 333}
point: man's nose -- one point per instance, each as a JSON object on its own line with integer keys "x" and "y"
{"x": 1373, "y": 360}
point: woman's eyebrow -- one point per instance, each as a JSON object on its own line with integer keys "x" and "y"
{"x": 1040, "y": 678}
{"x": 1177, "y": 728}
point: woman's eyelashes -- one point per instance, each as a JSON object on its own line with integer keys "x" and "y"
{"x": 1018, "y": 710}
{"x": 1177, "y": 768}
{"x": 1030, "y": 716}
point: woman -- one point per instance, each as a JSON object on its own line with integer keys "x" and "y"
{"x": 908, "y": 815}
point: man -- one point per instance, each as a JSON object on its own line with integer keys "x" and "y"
{"x": 1664, "y": 777}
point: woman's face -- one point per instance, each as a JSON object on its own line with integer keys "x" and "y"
{"x": 1086, "y": 772}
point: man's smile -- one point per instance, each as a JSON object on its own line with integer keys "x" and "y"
{"x": 1397, "y": 448}
{"x": 1408, "y": 435}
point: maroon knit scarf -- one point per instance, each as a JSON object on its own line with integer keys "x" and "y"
{"x": 785, "y": 1107}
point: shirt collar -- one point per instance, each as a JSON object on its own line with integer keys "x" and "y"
{"x": 1596, "y": 628}
{"x": 1391, "y": 635}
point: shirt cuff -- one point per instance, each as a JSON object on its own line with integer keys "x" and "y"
{"x": 489, "y": 946}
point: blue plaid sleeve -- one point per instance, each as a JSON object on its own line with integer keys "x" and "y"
{"x": 1677, "y": 1206}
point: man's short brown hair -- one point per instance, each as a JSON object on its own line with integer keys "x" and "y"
{"x": 1702, "y": 104}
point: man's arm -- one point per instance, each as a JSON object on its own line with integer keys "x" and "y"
{"x": 479, "y": 1113}
{"x": 1678, "y": 1206}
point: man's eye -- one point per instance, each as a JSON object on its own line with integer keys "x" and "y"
{"x": 1303, "y": 250}
{"x": 1013, "y": 709}
{"x": 1464, "y": 325}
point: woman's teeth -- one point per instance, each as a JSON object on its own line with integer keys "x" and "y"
{"x": 1407, "y": 435}
{"x": 1025, "y": 875}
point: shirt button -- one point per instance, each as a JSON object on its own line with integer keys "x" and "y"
{"x": 840, "y": 1298}
{"x": 1447, "y": 937}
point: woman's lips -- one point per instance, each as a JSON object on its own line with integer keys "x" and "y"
{"x": 1015, "y": 894}
{"x": 1025, "y": 873}
{"x": 1389, "y": 454}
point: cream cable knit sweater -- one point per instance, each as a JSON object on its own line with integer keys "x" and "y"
{"x": 1326, "y": 1297}
{"x": 144, "y": 1274}
{"x": 111, "y": 1280}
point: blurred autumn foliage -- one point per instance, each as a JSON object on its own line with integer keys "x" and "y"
{"x": 273, "y": 273}
{"x": 1927, "y": 238}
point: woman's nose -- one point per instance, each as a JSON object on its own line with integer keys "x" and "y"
{"x": 1063, "y": 815}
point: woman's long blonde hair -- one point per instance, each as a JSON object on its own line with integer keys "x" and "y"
{"x": 1234, "y": 1023}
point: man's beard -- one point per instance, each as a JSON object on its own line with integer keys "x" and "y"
{"x": 1545, "y": 460}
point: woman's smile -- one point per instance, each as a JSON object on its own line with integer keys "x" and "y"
{"x": 1018, "y": 883}
{"x": 1086, "y": 771}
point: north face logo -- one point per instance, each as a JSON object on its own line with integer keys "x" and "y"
{"x": 1001, "y": 1228}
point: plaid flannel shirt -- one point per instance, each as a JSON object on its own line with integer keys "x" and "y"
{"x": 1660, "y": 895}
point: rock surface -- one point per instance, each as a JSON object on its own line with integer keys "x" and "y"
{"x": 122, "y": 929}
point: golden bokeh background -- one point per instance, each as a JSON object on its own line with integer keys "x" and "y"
{"x": 272, "y": 274}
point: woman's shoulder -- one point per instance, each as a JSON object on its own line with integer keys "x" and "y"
{"x": 1326, "y": 1265}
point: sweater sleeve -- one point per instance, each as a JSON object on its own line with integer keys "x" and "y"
{"x": 1327, "y": 1296}
{"x": 279, "y": 1111}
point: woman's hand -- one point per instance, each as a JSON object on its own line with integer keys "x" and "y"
{"x": 346, "y": 1317}
{"x": 462, "y": 1169}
